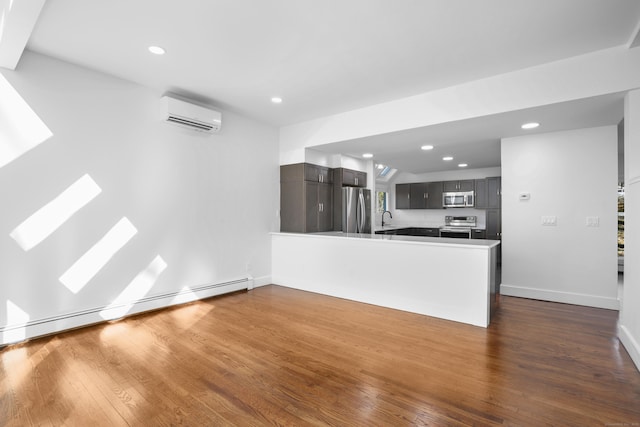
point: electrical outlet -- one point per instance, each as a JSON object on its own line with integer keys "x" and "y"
{"x": 593, "y": 221}
{"x": 550, "y": 220}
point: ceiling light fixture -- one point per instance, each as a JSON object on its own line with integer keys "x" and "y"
{"x": 276, "y": 100}
{"x": 447, "y": 158}
{"x": 156, "y": 50}
{"x": 531, "y": 125}
{"x": 380, "y": 166}
{"x": 426, "y": 147}
{"x": 367, "y": 155}
{"x": 463, "y": 165}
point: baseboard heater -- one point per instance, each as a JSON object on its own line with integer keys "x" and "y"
{"x": 13, "y": 333}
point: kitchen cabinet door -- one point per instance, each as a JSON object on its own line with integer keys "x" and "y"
{"x": 488, "y": 193}
{"x": 325, "y": 211}
{"x": 318, "y": 207}
{"x": 418, "y": 195}
{"x": 316, "y": 173}
{"x": 493, "y": 224}
{"x": 311, "y": 207}
{"x": 450, "y": 186}
{"x": 292, "y": 213}
{"x": 464, "y": 185}
{"x": 298, "y": 172}
{"x": 494, "y": 192}
{"x": 494, "y": 229}
{"x": 467, "y": 185}
{"x": 403, "y": 196}
{"x": 478, "y": 234}
{"x": 352, "y": 178}
{"x": 425, "y": 232}
{"x": 434, "y": 195}
{"x": 481, "y": 194}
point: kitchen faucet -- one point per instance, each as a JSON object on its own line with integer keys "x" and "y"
{"x": 390, "y": 216}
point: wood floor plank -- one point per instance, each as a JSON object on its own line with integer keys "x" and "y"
{"x": 280, "y": 356}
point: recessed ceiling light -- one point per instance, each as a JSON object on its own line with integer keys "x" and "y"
{"x": 367, "y": 155}
{"x": 156, "y": 50}
{"x": 426, "y": 147}
{"x": 380, "y": 166}
{"x": 463, "y": 165}
{"x": 447, "y": 158}
{"x": 276, "y": 100}
{"x": 531, "y": 125}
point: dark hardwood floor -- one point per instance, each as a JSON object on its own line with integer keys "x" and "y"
{"x": 284, "y": 357}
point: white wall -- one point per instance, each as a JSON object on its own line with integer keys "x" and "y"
{"x": 322, "y": 158}
{"x": 630, "y": 312}
{"x": 430, "y": 217}
{"x": 204, "y": 204}
{"x": 570, "y": 175}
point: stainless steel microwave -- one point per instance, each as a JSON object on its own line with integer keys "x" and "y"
{"x": 458, "y": 199}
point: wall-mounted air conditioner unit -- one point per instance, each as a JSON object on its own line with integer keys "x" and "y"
{"x": 185, "y": 114}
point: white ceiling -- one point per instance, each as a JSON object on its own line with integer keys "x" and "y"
{"x": 329, "y": 56}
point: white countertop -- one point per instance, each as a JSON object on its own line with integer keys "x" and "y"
{"x": 433, "y": 241}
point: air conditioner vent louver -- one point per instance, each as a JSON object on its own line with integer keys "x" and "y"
{"x": 185, "y": 114}
{"x": 185, "y": 122}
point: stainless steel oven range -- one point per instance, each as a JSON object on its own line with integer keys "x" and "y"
{"x": 458, "y": 227}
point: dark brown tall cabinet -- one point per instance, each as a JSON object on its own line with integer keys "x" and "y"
{"x": 306, "y": 198}
{"x": 489, "y": 197}
{"x": 488, "y": 193}
{"x": 493, "y": 224}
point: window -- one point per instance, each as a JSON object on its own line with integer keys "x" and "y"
{"x": 621, "y": 219}
{"x": 381, "y": 201}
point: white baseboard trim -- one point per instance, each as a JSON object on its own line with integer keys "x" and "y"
{"x": 630, "y": 344}
{"x": 14, "y": 333}
{"x": 563, "y": 297}
{"x": 262, "y": 281}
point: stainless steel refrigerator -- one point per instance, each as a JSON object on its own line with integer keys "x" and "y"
{"x": 356, "y": 210}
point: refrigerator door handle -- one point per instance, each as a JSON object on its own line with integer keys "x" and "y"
{"x": 361, "y": 208}
{"x": 357, "y": 230}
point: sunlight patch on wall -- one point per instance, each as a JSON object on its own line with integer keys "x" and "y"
{"x": 20, "y": 127}
{"x": 17, "y": 320}
{"x": 2, "y": 25}
{"x": 51, "y": 216}
{"x": 88, "y": 265}
{"x": 137, "y": 289}
{"x": 185, "y": 295}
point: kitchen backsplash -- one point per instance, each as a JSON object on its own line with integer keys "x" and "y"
{"x": 428, "y": 217}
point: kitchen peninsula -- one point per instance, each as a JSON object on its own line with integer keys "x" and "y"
{"x": 449, "y": 278}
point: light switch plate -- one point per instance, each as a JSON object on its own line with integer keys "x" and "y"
{"x": 550, "y": 220}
